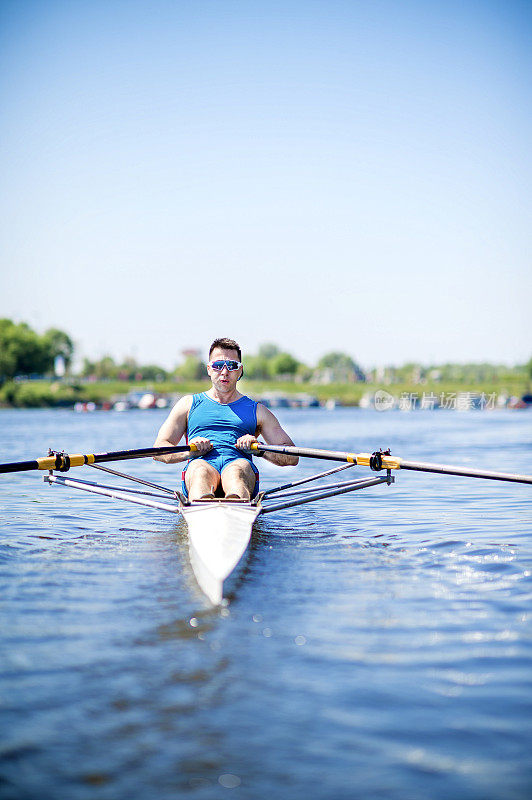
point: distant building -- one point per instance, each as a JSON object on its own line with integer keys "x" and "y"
{"x": 59, "y": 367}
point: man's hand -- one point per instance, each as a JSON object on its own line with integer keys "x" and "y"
{"x": 201, "y": 444}
{"x": 245, "y": 442}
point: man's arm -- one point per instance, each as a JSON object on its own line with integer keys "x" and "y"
{"x": 174, "y": 428}
{"x": 269, "y": 427}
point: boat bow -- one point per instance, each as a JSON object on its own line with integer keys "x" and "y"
{"x": 219, "y": 534}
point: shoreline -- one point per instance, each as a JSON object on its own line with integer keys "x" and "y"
{"x": 124, "y": 395}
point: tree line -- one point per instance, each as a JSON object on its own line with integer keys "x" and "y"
{"x": 270, "y": 362}
{"x": 24, "y": 352}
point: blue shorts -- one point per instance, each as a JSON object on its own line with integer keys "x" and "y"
{"x": 220, "y": 463}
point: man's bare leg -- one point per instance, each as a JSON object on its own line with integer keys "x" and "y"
{"x": 238, "y": 479}
{"x": 201, "y": 480}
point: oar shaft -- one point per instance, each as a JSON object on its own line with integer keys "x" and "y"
{"x": 391, "y": 462}
{"x": 327, "y": 455}
{"x": 467, "y": 472}
{"x": 363, "y": 459}
{"x": 63, "y": 461}
{"x": 19, "y": 466}
{"x": 145, "y": 452}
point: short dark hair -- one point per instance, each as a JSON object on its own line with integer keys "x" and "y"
{"x": 226, "y": 344}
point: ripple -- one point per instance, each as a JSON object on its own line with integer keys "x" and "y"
{"x": 383, "y": 635}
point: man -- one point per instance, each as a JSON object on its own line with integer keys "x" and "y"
{"x": 222, "y": 423}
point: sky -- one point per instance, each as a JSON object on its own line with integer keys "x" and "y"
{"x": 324, "y": 175}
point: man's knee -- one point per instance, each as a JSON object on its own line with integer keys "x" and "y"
{"x": 240, "y": 468}
{"x": 239, "y": 472}
{"x": 201, "y": 471}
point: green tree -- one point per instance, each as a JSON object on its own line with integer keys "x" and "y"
{"x": 341, "y": 367}
{"x": 105, "y": 369}
{"x": 22, "y": 351}
{"x": 152, "y": 372}
{"x": 192, "y": 369}
{"x": 128, "y": 369}
{"x": 131, "y": 370}
{"x": 8, "y": 353}
{"x": 256, "y": 367}
{"x": 268, "y": 350}
{"x": 304, "y": 372}
{"x": 411, "y": 372}
{"x": 283, "y": 364}
{"x": 88, "y": 368}
{"x": 336, "y": 360}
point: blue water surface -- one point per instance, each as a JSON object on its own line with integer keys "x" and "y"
{"x": 377, "y": 645}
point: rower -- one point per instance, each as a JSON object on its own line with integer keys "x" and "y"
{"x": 222, "y": 423}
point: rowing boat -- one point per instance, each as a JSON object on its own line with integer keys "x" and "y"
{"x": 218, "y": 537}
{"x": 220, "y": 529}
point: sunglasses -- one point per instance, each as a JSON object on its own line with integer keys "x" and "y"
{"x": 219, "y": 364}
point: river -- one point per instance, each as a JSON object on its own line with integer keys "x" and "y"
{"x": 378, "y": 645}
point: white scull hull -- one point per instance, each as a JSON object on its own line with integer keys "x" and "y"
{"x": 219, "y": 534}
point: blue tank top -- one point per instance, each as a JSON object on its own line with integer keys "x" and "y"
{"x": 222, "y": 424}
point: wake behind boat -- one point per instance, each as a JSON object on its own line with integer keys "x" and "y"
{"x": 219, "y": 530}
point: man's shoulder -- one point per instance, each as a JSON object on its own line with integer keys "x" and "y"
{"x": 263, "y": 412}
{"x": 184, "y": 403}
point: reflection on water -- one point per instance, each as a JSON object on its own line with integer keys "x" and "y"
{"x": 375, "y": 645}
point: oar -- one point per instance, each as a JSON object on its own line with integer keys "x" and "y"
{"x": 62, "y": 461}
{"x": 383, "y": 461}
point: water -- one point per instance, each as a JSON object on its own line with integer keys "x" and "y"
{"x": 378, "y": 645}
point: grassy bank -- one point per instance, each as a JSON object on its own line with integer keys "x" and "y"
{"x": 57, "y": 394}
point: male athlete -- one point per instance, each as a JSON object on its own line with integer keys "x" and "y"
{"x": 222, "y": 423}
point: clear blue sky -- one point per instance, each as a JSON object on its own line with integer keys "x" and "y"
{"x": 326, "y": 175}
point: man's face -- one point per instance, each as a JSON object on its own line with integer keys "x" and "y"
{"x": 224, "y": 380}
